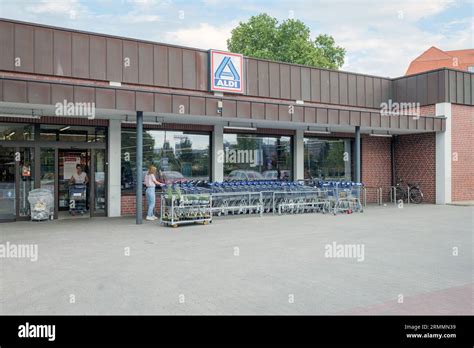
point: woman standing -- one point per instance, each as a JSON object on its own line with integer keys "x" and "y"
{"x": 150, "y": 183}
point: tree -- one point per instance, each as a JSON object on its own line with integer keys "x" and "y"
{"x": 263, "y": 37}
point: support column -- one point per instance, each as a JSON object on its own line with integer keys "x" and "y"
{"x": 443, "y": 156}
{"x": 298, "y": 155}
{"x": 139, "y": 167}
{"x": 347, "y": 159}
{"x": 218, "y": 153}
{"x": 357, "y": 154}
{"x": 114, "y": 168}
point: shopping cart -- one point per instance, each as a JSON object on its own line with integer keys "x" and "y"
{"x": 77, "y": 199}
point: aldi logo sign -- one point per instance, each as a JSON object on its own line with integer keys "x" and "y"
{"x": 227, "y": 72}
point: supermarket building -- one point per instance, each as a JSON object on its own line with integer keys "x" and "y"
{"x": 69, "y": 97}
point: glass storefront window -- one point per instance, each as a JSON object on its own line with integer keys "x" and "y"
{"x": 177, "y": 156}
{"x": 327, "y": 159}
{"x": 72, "y": 133}
{"x": 16, "y": 131}
{"x": 257, "y": 157}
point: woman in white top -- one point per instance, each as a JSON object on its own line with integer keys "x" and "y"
{"x": 79, "y": 177}
{"x": 150, "y": 183}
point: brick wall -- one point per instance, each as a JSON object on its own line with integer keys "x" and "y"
{"x": 128, "y": 206}
{"x": 376, "y": 167}
{"x": 462, "y": 147}
{"x": 415, "y": 161}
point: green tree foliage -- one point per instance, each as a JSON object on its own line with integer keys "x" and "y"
{"x": 263, "y": 37}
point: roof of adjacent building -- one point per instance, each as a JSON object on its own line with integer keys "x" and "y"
{"x": 435, "y": 58}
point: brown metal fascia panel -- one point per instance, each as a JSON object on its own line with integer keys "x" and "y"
{"x": 24, "y": 48}
{"x": 202, "y": 71}
{"x": 377, "y": 92}
{"x": 352, "y": 89}
{"x": 180, "y": 104}
{"x": 243, "y": 109}
{"x": 422, "y": 89}
{"x": 114, "y": 60}
{"x": 81, "y": 56}
{"x": 130, "y": 62}
{"x": 125, "y": 100}
{"x": 211, "y": 107}
{"x": 411, "y": 89}
{"x": 472, "y": 89}
{"x": 309, "y": 115}
{"x": 62, "y": 58}
{"x": 467, "y": 89}
{"x": 375, "y": 119}
{"x": 105, "y": 98}
{"x": 160, "y": 65}
{"x": 306, "y": 84}
{"x": 229, "y": 108}
{"x": 263, "y": 79}
{"x": 197, "y": 106}
{"x": 145, "y": 101}
{"x": 325, "y": 87}
{"x": 452, "y": 86}
{"x": 429, "y": 123}
{"x": 189, "y": 69}
{"x": 343, "y": 97}
{"x": 384, "y": 121}
{"x": 7, "y": 43}
{"x": 271, "y": 112}
{"x": 39, "y": 93}
{"x": 96, "y": 67}
{"x": 274, "y": 80}
{"x": 61, "y": 93}
{"x": 322, "y": 116}
{"x": 15, "y": 91}
{"x": 412, "y": 122}
{"x": 315, "y": 85}
{"x": 360, "y": 91}
{"x": 258, "y": 111}
{"x": 421, "y": 123}
{"x": 432, "y": 93}
{"x": 386, "y": 90}
{"x": 84, "y": 94}
{"x": 438, "y": 124}
{"x": 459, "y": 87}
{"x": 369, "y": 92}
{"x": 403, "y": 122}
{"x": 344, "y": 117}
{"x": 334, "y": 87}
{"x": 333, "y": 116}
{"x": 284, "y": 113}
{"x": 443, "y": 92}
{"x": 1, "y": 90}
{"x": 295, "y": 82}
{"x": 252, "y": 77}
{"x": 298, "y": 114}
{"x": 365, "y": 119}
{"x": 163, "y": 103}
{"x": 43, "y": 51}
{"x": 285, "y": 81}
{"x": 145, "y": 64}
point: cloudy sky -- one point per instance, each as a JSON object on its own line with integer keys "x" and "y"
{"x": 381, "y": 36}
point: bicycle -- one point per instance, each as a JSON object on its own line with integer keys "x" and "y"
{"x": 416, "y": 195}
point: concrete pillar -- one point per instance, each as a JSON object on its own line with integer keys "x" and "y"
{"x": 443, "y": 156}
{"x": 357, "y": 154}
{"x": 139, "y": 168}
{"x": 114, "y": 168}
{"x": 347, "y": 159}
{"x": 218, "y": 153}
{"x": 298, "y": 155}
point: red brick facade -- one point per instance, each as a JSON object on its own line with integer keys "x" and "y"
{"x": 376, "y": 168}
{"x": 462, "y": 147}
{"x": 415, "y": 162}
{"x": 128, "y": 206}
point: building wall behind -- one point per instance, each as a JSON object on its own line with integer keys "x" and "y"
{"x": 462, "y": 146}
{"x": 376, "y": 168}
{"x": 415, "y": 161}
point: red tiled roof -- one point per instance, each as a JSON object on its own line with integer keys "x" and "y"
{"x": 434, "y": 58}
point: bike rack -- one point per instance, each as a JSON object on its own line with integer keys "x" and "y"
{"x": 378, "y": 191}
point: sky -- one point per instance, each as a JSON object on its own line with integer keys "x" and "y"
{"x": 381, "y": 37}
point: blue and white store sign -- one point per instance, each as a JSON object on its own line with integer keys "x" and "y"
{"x": 227, "y": 72}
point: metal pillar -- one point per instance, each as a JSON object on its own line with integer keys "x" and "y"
{"x": 139, "y": 168}
{"x": 357, "y": 154}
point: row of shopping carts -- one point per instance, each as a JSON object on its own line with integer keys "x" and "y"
{"x": 277, "y": 197}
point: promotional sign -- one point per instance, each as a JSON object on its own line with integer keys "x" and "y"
{"x": 227, "y": 72}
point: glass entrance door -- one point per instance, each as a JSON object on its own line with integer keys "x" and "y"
{"x": 7, "y": 184}
{"x": 25, "y": 180}
{"x": 98, "y": 182}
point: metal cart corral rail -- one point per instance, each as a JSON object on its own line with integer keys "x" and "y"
{"x": 185, "y": 209}
{"x": 224, "y": 203}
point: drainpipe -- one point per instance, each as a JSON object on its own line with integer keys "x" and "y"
{"x": 357, "y": 154}
{"x": 139, "y": 166}
{"x": 392, "y": 154}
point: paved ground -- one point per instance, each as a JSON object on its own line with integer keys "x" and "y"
{"x": 281, "y": 266}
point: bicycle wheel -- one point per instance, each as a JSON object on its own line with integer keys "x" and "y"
{"x": 416, "y": 196}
